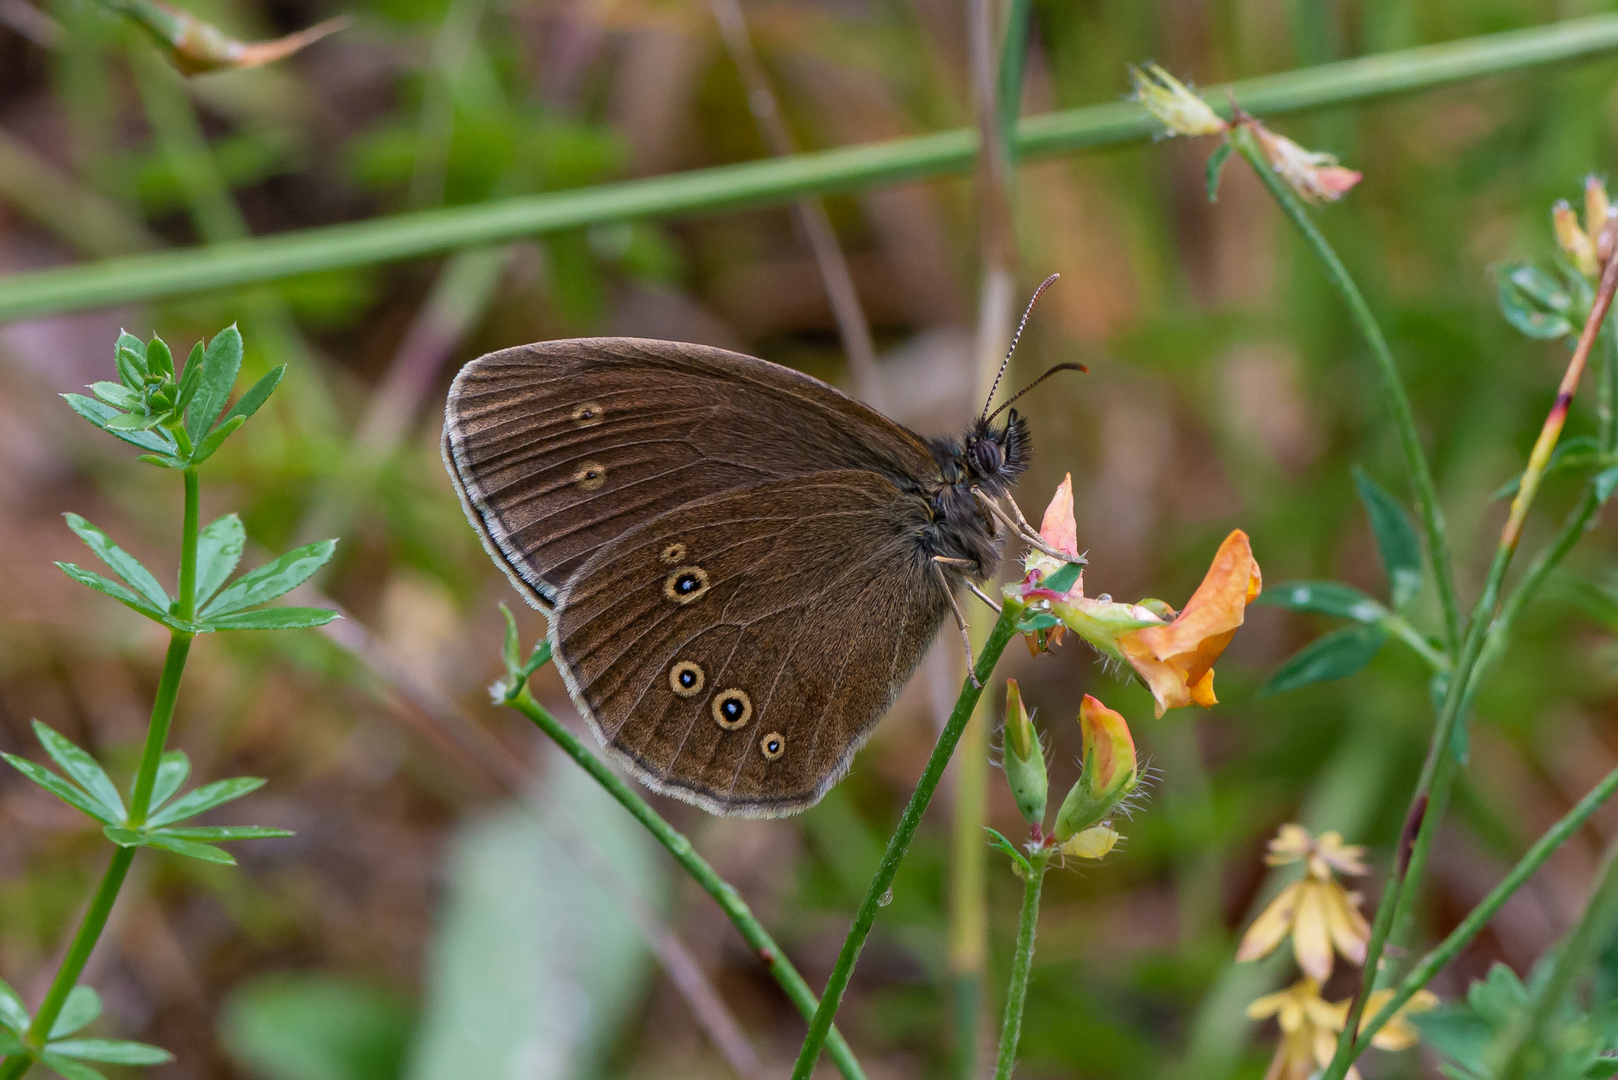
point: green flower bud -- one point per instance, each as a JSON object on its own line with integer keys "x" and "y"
{"x": 1024, "y": 758}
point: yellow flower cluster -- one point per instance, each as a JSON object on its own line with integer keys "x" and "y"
{"x": 1323, "y": 920}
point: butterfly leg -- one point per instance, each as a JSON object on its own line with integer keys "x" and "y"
{"x": 985, "y": 597}
{"x": 1024, "y": 531}
{"x": 960, "y": 621}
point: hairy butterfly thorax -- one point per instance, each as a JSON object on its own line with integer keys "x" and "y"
{"x": 986, "y": 461}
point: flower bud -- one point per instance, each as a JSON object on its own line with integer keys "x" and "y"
{"x": 1109, "y": 773}
{"x": 1024, "y": 758}
{"x": 1092, "y": 843}
{"x": 1173, "y": 103}
{"x": 1575, "y": 243}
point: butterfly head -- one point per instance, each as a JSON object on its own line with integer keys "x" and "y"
{"x": 994, "y": 458}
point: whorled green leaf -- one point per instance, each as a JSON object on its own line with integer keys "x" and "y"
{"x": 129, "y": 356}
{"x": 270, "y": 580}
{"x": 1337, "y": 655}
{"x": 257, "y": 394}
{"x": 112, "y": 1051}
{"x": 1396, "y": 539}
{"x": 172, "y": 769}
{"x": 111, "y": 588}
{"x": 1216, "y": 167}
{"x": 13, "y": 1013}
{"x": 125, "y": 837}
{"x": 190, "y": 381}
{"x": 159, "y": 360}
{"x": 282, "y": 618}
{"x": 224, "y": 834}
{"x": 82, "y": 1006}
{"x": 10, "y": 1044}
{"x": 122, "y": 562}
{"x": 117, "y": 395}
{"x": 68, "y": 1068}
{"x": 191, "y": 849}
{"x": 130, "y": 422}
{"x": 221, "y": 364}
{"x": 1324, "y": 598}
{"x": 214, "y": 440}
{"x": 101, "y": 415}
{"x": 1532, "y": 302}
{"x": 68, "y": 793}
{"x": 219, "y": 549}
{"x": 82, "y": 768}
{"x": 203, "y": 798}
{"x": 511, "y": 644}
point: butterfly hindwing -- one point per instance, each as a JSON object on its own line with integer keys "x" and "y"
{"x": 735, "y": 652}
{"x": 559, "y": 448}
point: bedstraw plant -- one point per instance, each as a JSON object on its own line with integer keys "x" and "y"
{"x": 177, "y": 415}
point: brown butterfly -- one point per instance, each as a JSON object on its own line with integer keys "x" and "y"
{"x": 742, "y": 565}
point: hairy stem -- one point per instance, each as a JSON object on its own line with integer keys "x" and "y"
{"x": 899, "y": 843}
{"x": 1393, "y": 388}
{"x": 1017, "y": 989}
{"x": 677, "y": 845}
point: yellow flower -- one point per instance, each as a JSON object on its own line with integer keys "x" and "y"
{"x": 1172, "y": 102}
{"x": 1310, "y": 1024}
{"x": 1314, "y": 175}
{"x": 1589, "y": 247}
{"x": 1317, "y": 912}
{"x": 1176, "y": 661}
{"x": 1109, "y": 774}
{"x": 1092, "y": 843}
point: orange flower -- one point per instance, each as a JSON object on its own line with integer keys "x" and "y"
{"x": 1109, "y": 774}
{"x": 1176, "y": 660}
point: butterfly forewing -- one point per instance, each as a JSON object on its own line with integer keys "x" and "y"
{"x": 737, "y": 651}
{"x": 560, "y": 447}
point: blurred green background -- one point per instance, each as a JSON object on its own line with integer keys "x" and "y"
{"x": 459, "y": 902}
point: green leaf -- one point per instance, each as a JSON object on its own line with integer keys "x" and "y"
{"x": 190, "y": 381}
{"x": 191, "y": 849}
{"x": 1062, "y": 580}
{"x": 129, "y": 356}
{"x": 216, "y": 438}
{"x": 1042, "y": 620}
{"x": 219, "y": 549}
{"x": 82, "y": 768}
{"x": 172, "y": 769}
{"x": 221, "y": 364}
{"x": 10, "y": 1044}
{"x": 1325, "y": 598}
{"x": 112, "y": 589}
{"x": 125, "y": 423}
{"x": 63, "y": 790}
{"x": 1001, "y": 843}
{"x": 203, "y": 798}
{"x": 537, "y": 659}
{"x": 101, "y": 415}
{"x": 112, "y": 1051}
{"x": 122, "y": 562}
{"x": 510, "y": 648}
{"x": 159, "y": 361}
{"x": 282, "y": 618}
{"x": 13, "y": 1014}
{"x": 1605, "y": 481}
{"x": 1337, "y": 655}
{"x": 225, "y": 833}
{"x": 82, "y": 1006}
{"x": 317, "y": 1026}
{"x": 117, "y": 395}
{"x": 1396, "y": 538}
{"x": 271, "y": 580}
{"x": 125, "y": 837}
{"x": 69, "y": 1069}
{"x": 1569, "y": 454}
{"x": 1532, "y": 302}
{"x": 163, "y": 461}
{"x": 1216, "y": 166}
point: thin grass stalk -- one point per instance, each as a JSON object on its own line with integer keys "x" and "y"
{"x": 1418, "y": 472}
{"x": 899, "y": 843}
{"x": 699, "y": 869}
{"x": 1021, "y": 963}
{"x": 1458, "y": 939}
{"x": 771, "y": 182}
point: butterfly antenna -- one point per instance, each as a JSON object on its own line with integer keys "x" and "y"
{"x": 1007, "y": 404}
{"x": 1027, "y": 311}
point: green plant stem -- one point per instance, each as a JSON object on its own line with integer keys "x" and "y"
{"x": 1401, "y": 629}
{"x": 1434, "y": 962}
{"x": 677, "y": 845}
{"x": 1005, "y": 629}
{"x": 1021, "y": 963}
{"x": 769, "y": 182}
{"x": 1393, "y": 389}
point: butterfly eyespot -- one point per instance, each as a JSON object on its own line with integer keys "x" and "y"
{"x": 591, "y": 475}
{"x": 772, "y": 745}
{"x": 589, "y": 414}
{"x": 732, "y": 709}
{"x": 673, "y": 553}
{"x": 686, "y": 679}
{"x": 685, "y": 584}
